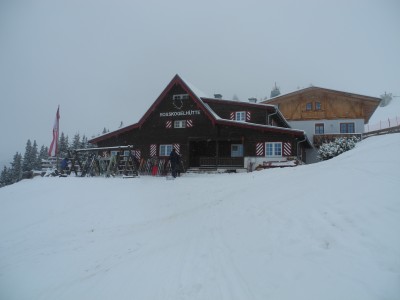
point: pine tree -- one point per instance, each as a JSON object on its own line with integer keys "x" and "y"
{"x": 63, "y": 145}
{"x": 105, "y": 131}
{"x": 3, "y": 177}
{"x": 27, "y": 163}
{"x": 43, "y": 155}
{"x": 16, "y": 168}
{"x": 84, "y": 142}
{"x": 34, "y": 156}
{"x": 76, "y": 142}
{"x": 44, "y": 152}
{"x": 121, "y": 125}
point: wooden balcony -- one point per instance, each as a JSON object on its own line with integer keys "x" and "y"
{"x": 319, "y": 139}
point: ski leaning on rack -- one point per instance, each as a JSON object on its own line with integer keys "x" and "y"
{"x": 131, "y": 168}
{"x": 168, "y": 170}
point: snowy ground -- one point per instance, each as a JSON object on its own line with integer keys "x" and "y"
{"x": 323, "y": 231}
{"x": 386, "y": 116}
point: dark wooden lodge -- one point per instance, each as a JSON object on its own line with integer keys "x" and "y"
{"x": 209, "y": 133}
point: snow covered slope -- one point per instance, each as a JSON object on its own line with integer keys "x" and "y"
{"x": 383, "y": 113}
{"x": 323, "y": 231}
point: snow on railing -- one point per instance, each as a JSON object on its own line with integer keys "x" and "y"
{"x": 383, "y": 124}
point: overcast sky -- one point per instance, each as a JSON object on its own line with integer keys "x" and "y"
{"x": 105, "y": 62}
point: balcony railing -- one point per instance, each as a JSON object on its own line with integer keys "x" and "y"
{"x": 221, "y": 162}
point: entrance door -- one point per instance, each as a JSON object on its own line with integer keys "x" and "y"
{"x": 201, "y": 149}
{"x": 236, "y": 150}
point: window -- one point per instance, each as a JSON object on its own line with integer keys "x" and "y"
{"x": 126, "y": 155}
{"x": 240, "y": 116}
{"x": 273, "y": 149}
{"x": 317, "y": 105}
{"x": 347, "y": 128}
{"x": 309, "y": 106}
{"x": 114, "y": 153}
{"x": 165, "y": 150}
{"x": 180, "y": 124}
{"x": 236, "y": 150}
{"x": 180, "y": 97}
{"x": 319, "y": 128}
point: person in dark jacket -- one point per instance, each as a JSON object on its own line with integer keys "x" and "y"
{"x": 64, "y": 165}
{"x": 174, "y": 159}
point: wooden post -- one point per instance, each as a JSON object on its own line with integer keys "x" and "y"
{"x": 216, "y": 154}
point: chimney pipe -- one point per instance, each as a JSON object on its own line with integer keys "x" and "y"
{"x": 253, "y": 100}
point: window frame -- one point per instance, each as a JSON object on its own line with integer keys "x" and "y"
{"x": 318, "y": 105}
{"x": 179, "y": 123}
{"x": 240, "y": 116}
{"x": 125, "y": 154}
{"x": 180, "y": 97}
{"x": 165, "y": 149}
{"x": 273, "y": 146}
{"x": 238, "y": 152}
{"x": 347, "y": 126}
{"x": 309, "y": 106}
{"x": 319, "y": 125}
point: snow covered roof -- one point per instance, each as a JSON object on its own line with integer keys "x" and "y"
{"x": 201, "y": 99}
{"x": 199, "y": 93}
{"x": 320, "y": 88}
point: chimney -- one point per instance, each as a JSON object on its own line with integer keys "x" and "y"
{"x": 217, "y": 96}
{"x": 253, "y": 100}
{"x": 275, "y": 91}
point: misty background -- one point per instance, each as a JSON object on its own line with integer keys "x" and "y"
{"x": 105, "y": 62}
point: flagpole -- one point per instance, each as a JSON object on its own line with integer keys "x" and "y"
{"x": 58, "y": 137}
{"x": 53, "y": 150}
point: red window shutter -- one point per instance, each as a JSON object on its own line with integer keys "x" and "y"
{"x": 260, "y": 149}
{"x": 137, "y": 154}
{"x": 248, "y": 116}
{"x": 287, "y": 149}
{"x": 177, "y": 148}
{"x": 153, "y": 150}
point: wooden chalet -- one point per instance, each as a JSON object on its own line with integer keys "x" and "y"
{"x": 326, "y": 114}
{"x": 208, "y": 132}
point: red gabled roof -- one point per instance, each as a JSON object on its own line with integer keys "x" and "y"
{"x": 203, "y": 105}
{"x": 176, "y": 80}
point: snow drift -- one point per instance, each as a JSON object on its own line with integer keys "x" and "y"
{"x": 323, "y": 231}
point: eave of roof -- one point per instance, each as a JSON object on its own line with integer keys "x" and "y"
{"x": 240, "y": 103}
{"x": 203, "y": 105}
{"x": 113, "y": 133}
{"x": 323, "y": 89}
{"x": 176, "y": 80}
{"x": 296, "y": 132}
{"x": 267, "y": 107}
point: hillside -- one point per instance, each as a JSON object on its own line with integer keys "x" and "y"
{"x": 323, "y": 231}
{"x": 390, "y": 111}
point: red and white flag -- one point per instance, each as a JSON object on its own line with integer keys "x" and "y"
{"x": 54, "y": 143}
